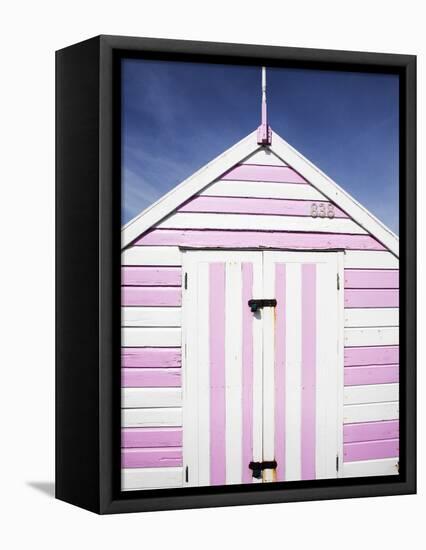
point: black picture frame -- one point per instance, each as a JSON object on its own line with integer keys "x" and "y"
{"x": 88, "y": 226}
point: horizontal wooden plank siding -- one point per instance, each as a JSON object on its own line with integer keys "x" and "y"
{"x": 355, "y": 259}
{"x": 151, "y": 276}
{"x": 370, "y": 412}
{"x": 371, "y": 278}
{"x": 245, "y": 172}
{"x": 267, "y": 207}
{"x": 135, "y": 316}
{"x": 150, "y": 378}
{"x": 372, "y": 317}
{"x": 151, "y": 418}
{"x": 379, "y": 355}
{"x": 370, "y": 431}
{"x": 374, "y": 393}
{"x": 257, "y": 239}
{"x": 366, "y": 468}
{"x": 132, "y": 398}
{"x": 133, "y": 479}
{"x": 151, "y": 256}
{"x": 267, "y": 190}
{"x": 151, "y": 296}
{"x": 151, "y": 458}
{"x": 151, "y": 437}
{"x": 372, "y": 336}
{"x": 151, "y": 337}
{"x": 151, "y": 357}
{"x": 369, "y": 450}
{"x": 372, "y": 374}
{"x": 251, "y": 222}
{"x": 371, "y": 298}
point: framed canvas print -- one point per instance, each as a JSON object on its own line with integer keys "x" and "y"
{"x": 236, "y": 283}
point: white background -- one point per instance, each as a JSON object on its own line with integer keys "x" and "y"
{"x": 30, "y": 32}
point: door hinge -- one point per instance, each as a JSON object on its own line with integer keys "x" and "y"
{"x": 337, "y": 463}
{"x": 186, "y": 281}
{"x": 338, "y": 282}
{"x": 186, "y": 474}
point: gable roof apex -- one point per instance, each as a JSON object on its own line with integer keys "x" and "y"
{"x": 236, "y": 154}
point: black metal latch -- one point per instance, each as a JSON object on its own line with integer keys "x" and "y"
{"x": 254, "y": 305}
{"x": 258, "y": 467}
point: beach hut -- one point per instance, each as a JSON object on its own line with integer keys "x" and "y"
{"x": 260, "y": 327}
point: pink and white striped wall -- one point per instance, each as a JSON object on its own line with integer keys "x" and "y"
{"x": 259, "y": 204}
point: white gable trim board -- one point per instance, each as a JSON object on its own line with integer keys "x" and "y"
{"x": 245, "y": 227}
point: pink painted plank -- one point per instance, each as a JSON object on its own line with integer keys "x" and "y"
{"x": 237, "y": 205}
{"x": 247, "y": 358}
{"x": 155, "y": 457}
{"x": 309, "y": 322}
{"x": 254, "y": 172}
{"x": 373, "y": 355}
{"x": 371, "y": 278}
{"x": 371, "y": 298}
{"x": 150, "y": 357}
{"x": 150, "y": 378}
{"x": 151, "y": 276}
{"x": 374, "y": 374}
{"x": 150, "y": 296}
{"x": 257, "y": 239}
{"x": 217, "y": 374}
{"x": 370, "y": 450}
{"x": 151, "y": 437}
{"x": 370, "y": 431}
{"x": 280, "y": 358}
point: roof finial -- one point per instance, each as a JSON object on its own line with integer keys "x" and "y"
{"x": 264, "y": 132}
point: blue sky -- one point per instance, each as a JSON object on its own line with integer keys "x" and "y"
{"x": 178, "y": 116}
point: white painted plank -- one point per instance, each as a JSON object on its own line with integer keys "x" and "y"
{"x": 370, "y": 412}
{"x": 340, "y": 362}
{"x": 264, "y": 157}
{"x": 363, "y": 468}
{"x": 257, "y": 365}
{"x": 268, "y": 316}
{"x": 293, "y": 373}
{"x": 372, "y": 336}
{"x": 370, "y": 259}
{"x": 133, "y": 398}
{"x": 203, "y": 373}
{"x": 191, "y": 390}
{"x": 262, "y": 189}
{"x": 202, "y": 220}
{"x": 373, "y": 393}
{"x": 150, "y": 337}
{"x": 151, "y": 316}
{"x": 151, "y": 255}
{"x": 151, "y": 418}
{"x": 233, "y": 372}
{"x": 133, "y": 479}
{"x": 372, "y": 317}
{"x": 328, "y": 398}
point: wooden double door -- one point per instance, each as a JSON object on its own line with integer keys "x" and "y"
{"x": 262, "y": 366}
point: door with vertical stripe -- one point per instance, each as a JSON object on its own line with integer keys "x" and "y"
{"x": 262, "y": 366}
